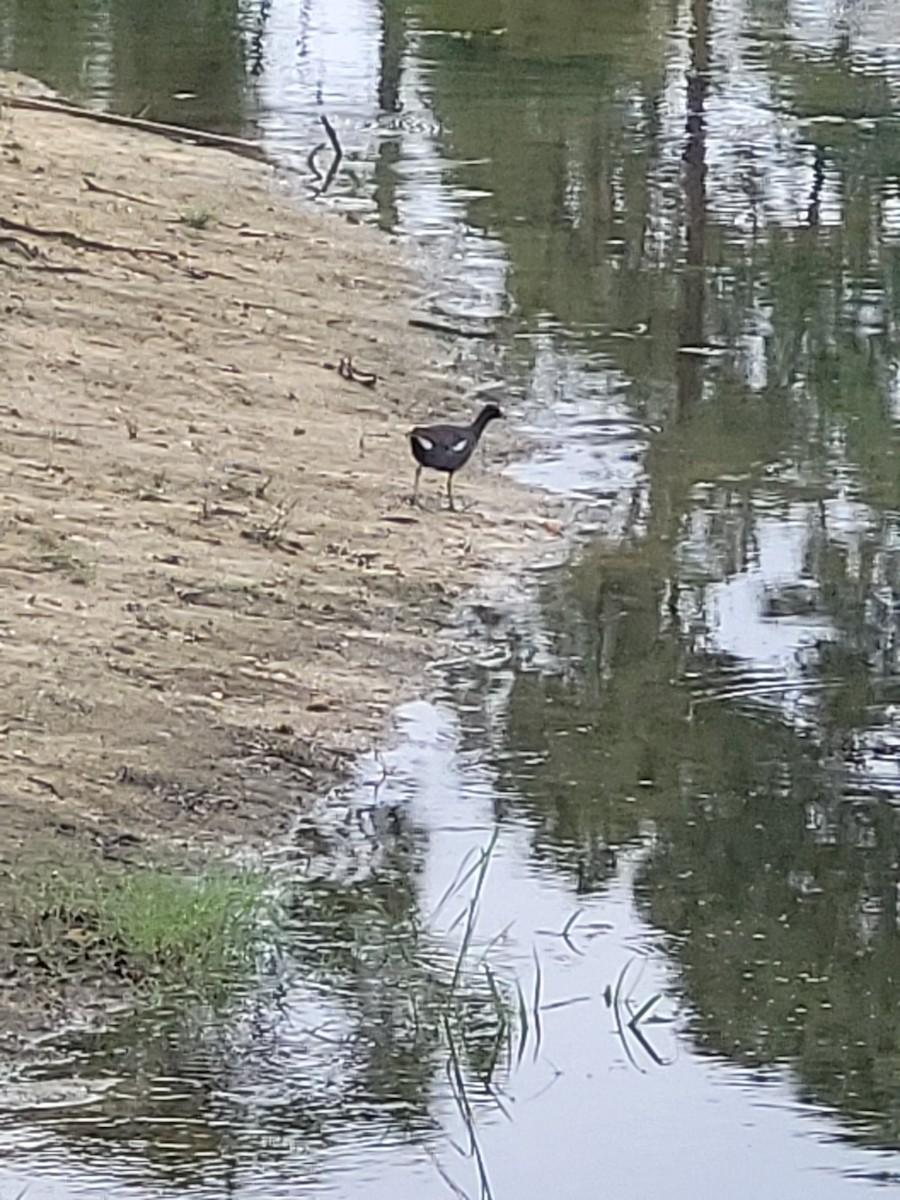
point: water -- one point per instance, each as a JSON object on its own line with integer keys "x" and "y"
{"x": 684, "y": 218}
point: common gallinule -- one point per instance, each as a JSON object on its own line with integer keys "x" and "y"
{"x": 448, "y": 447}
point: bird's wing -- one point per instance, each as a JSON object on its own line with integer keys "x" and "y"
{"x": 448, "y": 437}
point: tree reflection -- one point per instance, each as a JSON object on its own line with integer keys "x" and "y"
{"x": 176, "y": 62}
{"x": 345, "y": 1027}
{"x": 728, "y": 684}
{"x": 729, "y": 667}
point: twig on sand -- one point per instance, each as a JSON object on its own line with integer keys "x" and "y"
{"x": 176, "y": 133}
{"x": 93, "y": 186}
{"x": 468, "y": 331}
{"x": 47, "y": 784}
{"x": 78, "y": 242}
{"x": 17, "y": 243}
{"x": 346, "y": 370}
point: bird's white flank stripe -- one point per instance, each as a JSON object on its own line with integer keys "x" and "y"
{"x": 459, "y": 446}
{"x": 424, "y": 442}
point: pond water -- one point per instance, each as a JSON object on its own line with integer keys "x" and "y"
{"x": 659, "y": 808}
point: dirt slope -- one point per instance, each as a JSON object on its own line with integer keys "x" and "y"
{"x": 212, "y": 586}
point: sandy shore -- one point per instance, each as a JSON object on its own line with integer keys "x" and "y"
{"x": 212, "y": 586}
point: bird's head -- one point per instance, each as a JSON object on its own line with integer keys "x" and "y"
{"x": 490, "y": 412}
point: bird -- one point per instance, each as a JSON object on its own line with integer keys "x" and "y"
{"x": 448, "y": 447}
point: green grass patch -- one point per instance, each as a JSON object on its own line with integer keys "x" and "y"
{"x": 76, "y": 568}
{"x": 196, "y": 218}
{"x": 143, "y": 924}
{"x": 55, "y": 554}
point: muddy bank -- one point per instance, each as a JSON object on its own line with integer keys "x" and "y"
{"x": 212, "y": 587}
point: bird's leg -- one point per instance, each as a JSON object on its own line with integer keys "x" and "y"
{"x": 450, "y": 491}
{"x": 415, "y": 495}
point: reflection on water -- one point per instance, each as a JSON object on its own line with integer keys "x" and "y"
{"x": 686, "y": 740}
{"x": 168, "y": 61}
{"x": 327, "y": 1078}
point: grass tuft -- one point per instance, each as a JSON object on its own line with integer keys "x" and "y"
{"x": 196, "y": 218}
{"x": 143, "y": 924}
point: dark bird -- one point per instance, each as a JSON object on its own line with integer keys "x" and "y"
{"x": 448, "y": 447}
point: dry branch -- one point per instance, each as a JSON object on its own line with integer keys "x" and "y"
{"x": 92, "y": 186}
{"x": 438, "y": 326}
{"x": 177, "y": 133}
{"x": 76, "y": 241}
